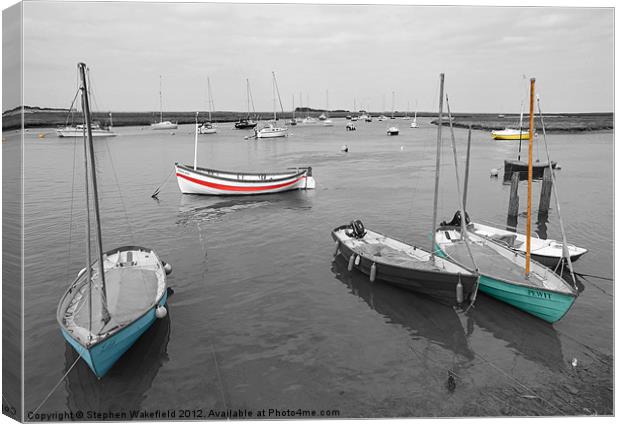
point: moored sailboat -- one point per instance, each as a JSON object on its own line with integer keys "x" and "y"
{"x": 162, "y": 125}
{"x": 119, "y": 294}
{"x": 271, "y": 130}
{"x": 404, "y": 265}
{"x": 208, "y": 127}
{"x": 508, "y": 275}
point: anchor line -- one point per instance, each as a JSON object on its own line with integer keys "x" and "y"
{"x": 157, "y": 190}
{"x": 57, "y": 384}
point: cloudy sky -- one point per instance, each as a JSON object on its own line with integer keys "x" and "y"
{"x": 363, "y": 52}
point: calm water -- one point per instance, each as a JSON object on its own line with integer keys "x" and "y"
{"x": 262, "y": 317}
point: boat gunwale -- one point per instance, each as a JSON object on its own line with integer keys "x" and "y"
{"x": 536, "y": 265}
{"x": 206, "y": 172}
{"x": 118, "y": 328}
{"x": 467, "y": 273}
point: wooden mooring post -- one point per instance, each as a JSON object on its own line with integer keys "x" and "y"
{"x": 513, "y": 203}
{"x": 545, "y": 193}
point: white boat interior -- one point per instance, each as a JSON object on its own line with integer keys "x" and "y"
{"x": 135, "y": 281}
{"x": 498, "y": 262}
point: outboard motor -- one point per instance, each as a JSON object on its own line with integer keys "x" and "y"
{"x": 456, "y": 220}
{"x": 357, "y": 229}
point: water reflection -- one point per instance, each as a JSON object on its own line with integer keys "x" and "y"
{"x": 423, "y": 318}
{"x": 527, "y": 336}
{"x": 125, "y": 386}
{"x": 196, "y": 208}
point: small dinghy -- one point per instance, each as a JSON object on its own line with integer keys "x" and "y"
{"x": 547, "y": 252}
{"x": 392, "y": 131}
{"x": 119, "y": 294}
{"x": 403, "y": 265}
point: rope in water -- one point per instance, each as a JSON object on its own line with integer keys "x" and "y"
{"x": 57, "y": 384}
{"x": 219, "y": 378}
{"x": 157, "y": 190}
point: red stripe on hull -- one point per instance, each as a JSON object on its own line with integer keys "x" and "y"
{"x": 237, "y": 188}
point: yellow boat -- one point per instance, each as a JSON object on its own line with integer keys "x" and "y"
{"x": 510, "y": 134}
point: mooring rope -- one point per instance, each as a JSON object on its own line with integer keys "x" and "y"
{"x": 157, "y": 190}
{"x": 57, "y": 384}
{"x": 219, "y": 377}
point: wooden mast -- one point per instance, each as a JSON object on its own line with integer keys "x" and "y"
{"x": 89, "y": 260}
{"x": 105, "y": 315}
{"x": 437, "y": 164}
{"x": 528, "y": 241}
{"x": 161, "y": 105}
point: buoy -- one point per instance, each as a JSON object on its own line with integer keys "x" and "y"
{"x": 41, "y": 135}
{"x": 167, "y": 267}
{"x": 172, "y": 133}
{"x": 402, "y": 148}
{"x": 574, "y": 362}
{"x": 351, "y": 259}
{"x": 357, "y": 260}
{"x": 459, "y": 291}
{"x": 494, "y": 172}
{"x": 337, "y": 248}
{"x": 344, "y": 148}
{"x": 161, "y": 312}
{"x": 557, "y": 167}
{"x": 373, "y": 272}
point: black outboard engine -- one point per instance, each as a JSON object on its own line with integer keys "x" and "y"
{"x": 357, "y": 229}
{"x": 456, "y": 220}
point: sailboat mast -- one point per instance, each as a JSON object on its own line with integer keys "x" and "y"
{"x": 437, "y": 164}
{"x": 528, "y": 241}
{"x": 392, "y": 104}
{"x": 209, "y": 96}
{"x": 247, "y": 92}
{"x": 196, "y": 144}
{"x": 105, "y": 314}
{"x": 161, "y": 105}
{"x": 89, "y": 260}
{"x": 293, "y": 98}
{"x": 273, "y": 88}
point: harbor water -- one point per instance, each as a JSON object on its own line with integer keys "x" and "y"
{"x": 262, "y": 316}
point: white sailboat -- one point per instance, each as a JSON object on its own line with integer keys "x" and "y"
{"x": 208, "y": 127}
{"x": 162, "y": 125}
{"x": 327, "y": 122}
{"x": 414, "y": 124}
{"x": 271, "y": 130}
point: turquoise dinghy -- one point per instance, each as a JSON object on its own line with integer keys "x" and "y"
{"x": 118, "y": 295}
{"x": 136, "y": 295}
{"x": 543, "y": 293}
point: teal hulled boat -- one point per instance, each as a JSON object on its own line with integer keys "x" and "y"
{"x": 119, "y": 294}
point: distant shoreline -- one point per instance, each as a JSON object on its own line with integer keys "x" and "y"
{"x": 51, "y": 117}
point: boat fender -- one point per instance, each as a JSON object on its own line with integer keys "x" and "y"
{"x": 337, "y": 248}
{"x": 161, "y": 312}
{"x": 373, "y": 272}
{"x": 357, "y": 260}
{"x": 167, "y": 267}
{"x": 82, "y": 271}
{"x": 351, "y": 260}
{"x": 459, "y": 291}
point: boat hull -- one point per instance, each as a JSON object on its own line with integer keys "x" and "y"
{"x": 546, "y": 305}
{"x": 272, "y": 133}
{"x": 166, "y": 125}
{"x": 79, "y": 133}
{"x": 222, "y": 183}
{"x": 245, "y": 125}
{"x": 102, "y": 356}
{"x": 438, "y": 285}
{"x": 510, "y": 135}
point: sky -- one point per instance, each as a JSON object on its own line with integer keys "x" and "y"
{"x": 330, "y": 55}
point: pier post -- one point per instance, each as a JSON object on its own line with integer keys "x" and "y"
{"x": 545, "y": 194}
{"x": 513, "y": 203}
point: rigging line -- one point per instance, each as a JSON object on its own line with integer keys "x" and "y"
{"x": 56, "y": 386}
{"x": 595, "y": 285}
{"x": 118, "y": 187}
{"x": 70, "y": 114}
{"x": 71, "y": 211}
{"x": 581, "y": 274}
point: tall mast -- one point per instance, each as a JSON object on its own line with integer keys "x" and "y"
{"x": 196, "y": 143}
{"x": 161, "y": 105}
{"x": 89, "y": 260}
{"x": 247, "y": 92}
{"x": 293, "y": 97}
{"x": 529, "y": 182}
{"x": 392, "y": 104}
{"x": 437, "y": 164}
{"x": 105, "y": 315}
{"x": 273, "y": 87}
{"x": 209, "y": 97}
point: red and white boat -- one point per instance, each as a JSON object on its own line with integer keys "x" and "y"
{"x": 196, "y": 180}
